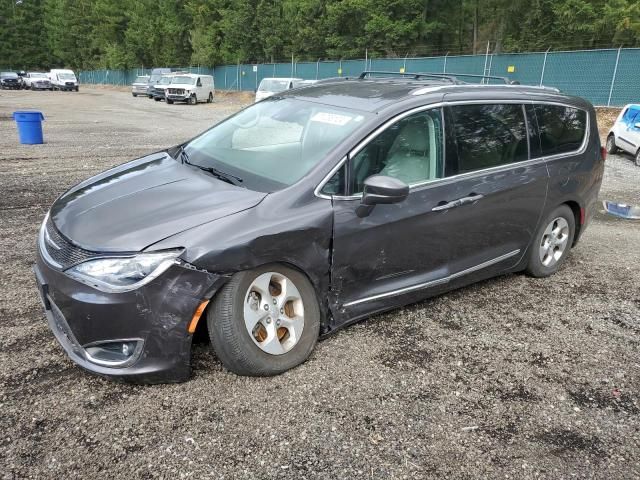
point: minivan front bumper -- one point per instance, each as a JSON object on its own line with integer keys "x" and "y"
{"x": 152, "y": 321}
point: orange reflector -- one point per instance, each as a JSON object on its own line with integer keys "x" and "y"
{"x": 196, "y": 316}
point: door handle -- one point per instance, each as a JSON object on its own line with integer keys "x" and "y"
{"x": 457, "y": 203}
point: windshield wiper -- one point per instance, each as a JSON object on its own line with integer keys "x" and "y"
{"x": 220, "y": 175}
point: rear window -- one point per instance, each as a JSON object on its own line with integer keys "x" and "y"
{"x": 488, "y": 136}
{"x": 271, "y": 85}
{"x": 562, "y": 129}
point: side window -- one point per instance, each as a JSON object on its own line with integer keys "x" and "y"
{"x": 336, "y": 185}
{"x": 410, "y": 150}
{"x": 562, "y": 129}
{"x": 489, "y": 136}
{"x": 199, "y": 84}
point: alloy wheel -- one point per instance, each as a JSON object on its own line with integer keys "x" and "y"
{"x": 554, "y": 242}
{"x": 274, "y": 313}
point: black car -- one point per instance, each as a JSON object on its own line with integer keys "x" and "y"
{"x": 310, "y": 210}
{"x": 10, "y": 80}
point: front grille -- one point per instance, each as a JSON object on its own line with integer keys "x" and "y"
{"x": 70, "y": 84}
{"x": 64, "y": 253}
{"x": 176, "y": 91}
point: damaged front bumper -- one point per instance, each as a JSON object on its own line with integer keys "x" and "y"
{"x": 140, "y": 336}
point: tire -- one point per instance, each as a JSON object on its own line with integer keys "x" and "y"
{"x": 541, "y": 264}
{"x": 134, "y": 95}
{"x": 193, "y": 99}
{"x": 210, "y": 99}
{"x": 638, "y": 158}
{"x": 611, "y": 144}
{"x": 170, "y": 102}
{"x": 157, "y": 99}
{"x": 237, "y": 348}
{"x": 33, "y": 88}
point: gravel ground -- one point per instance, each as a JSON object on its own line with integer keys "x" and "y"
{"x": 512, "y": 377}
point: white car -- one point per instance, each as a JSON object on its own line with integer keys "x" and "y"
{"x": 271, "y": 86}
{"x": 625, "y": 133}
{"x": 37, "y": 81}
{"x": 191, "y": 88}
{"x": 63, "y": 79}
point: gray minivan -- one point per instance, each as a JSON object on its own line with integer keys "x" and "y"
{"x": 310, "y": 210}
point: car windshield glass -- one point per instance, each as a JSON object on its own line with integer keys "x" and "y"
{"x": 271, "y": 85}
{"x": 37, "y": 75}
{"x": 274, "y": 143}
{"x": 184, "y": 80}
{"x": 164, "y": 81}
{"x": 9, "y": 75}
{"x": 67, "y": 76}
{"x": 154, "y": 78}
{"x": 141, "y": 80}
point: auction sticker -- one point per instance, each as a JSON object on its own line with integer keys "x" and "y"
{"x": 331, "y": 118}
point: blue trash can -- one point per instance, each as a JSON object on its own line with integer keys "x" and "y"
{"x": 29, "y": 126}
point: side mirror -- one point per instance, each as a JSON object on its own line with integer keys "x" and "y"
{"x": 379, "y": 189}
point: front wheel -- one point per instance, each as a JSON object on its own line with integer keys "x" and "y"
{"x": 638, "y": 158}
{"x": 552, "y": 243}
{"x": 210, "y": 99}
{"x": 611, "y": 144}
{"x": 193, "y": 99}
{"x": 170, "y": 102}
{"x": 264, "y": 321}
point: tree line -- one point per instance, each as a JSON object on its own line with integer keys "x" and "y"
{"x": 114, "y": 34}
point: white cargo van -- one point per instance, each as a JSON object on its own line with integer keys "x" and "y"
{"x": 63, "y": 79}
{"x": 191, "y": 88}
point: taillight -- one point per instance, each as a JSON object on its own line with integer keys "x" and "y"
{"x": 603, "y": 153}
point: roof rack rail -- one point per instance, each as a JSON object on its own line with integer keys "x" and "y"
{"x": 414, "y": 76}
{"x": 451, "y": 77}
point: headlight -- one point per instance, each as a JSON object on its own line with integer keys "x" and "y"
{"x": 116, "y": 275}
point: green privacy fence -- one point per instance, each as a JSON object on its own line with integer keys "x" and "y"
{"x": 604, "y": 77}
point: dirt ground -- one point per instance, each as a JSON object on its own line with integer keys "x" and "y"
{"x": 512, "y": 378}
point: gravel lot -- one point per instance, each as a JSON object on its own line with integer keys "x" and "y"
{"x": 513, "y": 377}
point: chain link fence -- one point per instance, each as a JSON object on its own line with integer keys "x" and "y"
{"x": 607, "y": 77}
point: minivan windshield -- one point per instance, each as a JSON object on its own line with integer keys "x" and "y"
{"x": 184, "y": 80}
{"x": 67, "y": 76}
{"x": 272, "y": 85}
{"x": 274, "y": 143}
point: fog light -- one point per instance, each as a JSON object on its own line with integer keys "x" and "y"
{"x": 114, "y": 354}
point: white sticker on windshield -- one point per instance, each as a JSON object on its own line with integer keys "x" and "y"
{"x": 331, "y": 118}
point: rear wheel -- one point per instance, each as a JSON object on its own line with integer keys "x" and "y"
{"x": 552, "y": 242}
{"x": 264, "y": 321}
{"x": 638, "y": 158}
{"x": 157, "y": 99}
{"x": 210, "y": 99}
{"x": 611, "y": 144}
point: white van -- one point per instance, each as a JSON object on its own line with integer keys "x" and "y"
{"x": 191, "y": 88}
{"x": 625, "y": 133}
{"x": 271, "y": 86}
{"x": 63, "y": 79}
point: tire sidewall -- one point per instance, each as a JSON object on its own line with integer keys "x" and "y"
{"x": 535, "y": 266}
{"x": 256, "y": 361}
{"x": 611, "y": 144}
{"x": 637, "y": 159}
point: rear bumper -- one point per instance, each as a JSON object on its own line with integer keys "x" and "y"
{"x": 156, "y": 315}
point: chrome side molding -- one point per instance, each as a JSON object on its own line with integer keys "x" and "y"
{"x": 432, "y": 283}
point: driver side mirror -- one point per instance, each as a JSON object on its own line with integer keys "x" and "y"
{"x": 380, "y": 189}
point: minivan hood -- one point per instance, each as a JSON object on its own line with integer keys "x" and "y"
{"x": 142, "y": 202}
